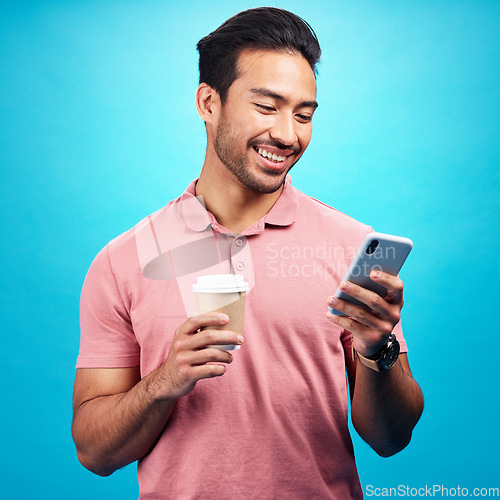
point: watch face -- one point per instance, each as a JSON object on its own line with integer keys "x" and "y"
{"x": 392, "y": 355}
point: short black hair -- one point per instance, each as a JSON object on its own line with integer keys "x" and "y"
{"x": 267, "y": 28}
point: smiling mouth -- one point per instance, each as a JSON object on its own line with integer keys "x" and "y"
{"x": 273, "y": 157}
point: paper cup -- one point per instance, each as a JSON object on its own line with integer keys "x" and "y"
{"x": 222, "y": 293}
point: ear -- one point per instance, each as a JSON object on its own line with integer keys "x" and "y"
{"x": 207, "y": 103}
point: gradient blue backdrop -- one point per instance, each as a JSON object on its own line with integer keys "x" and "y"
{"x": 98, "y": 128}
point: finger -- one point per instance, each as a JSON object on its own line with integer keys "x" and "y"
{"x": 393, "y": 284}
{"x": 209, "y": 355}
{"x": 208, "y": 371}
{"x": 194, "y": 323}
{"x": 368, "y": 340}
{"x": 360, "y": 314}
{"x": 371, "y": 299}
{"x": 207, "y": 337}
{"x": 349, "y": 324}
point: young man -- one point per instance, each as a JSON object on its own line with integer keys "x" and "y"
{"x": 269, "y": 420}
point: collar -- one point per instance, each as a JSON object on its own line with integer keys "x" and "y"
{"x": 197, "y": 218}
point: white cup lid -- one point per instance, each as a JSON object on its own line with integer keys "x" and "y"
{"x": 221, "y": 283}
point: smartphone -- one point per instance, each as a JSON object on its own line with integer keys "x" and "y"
{"x": 378, "y": 252}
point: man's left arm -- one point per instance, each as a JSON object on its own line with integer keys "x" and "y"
{"x": 386, "y": 405}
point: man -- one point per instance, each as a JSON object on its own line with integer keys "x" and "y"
{"x": 269, "y": 420}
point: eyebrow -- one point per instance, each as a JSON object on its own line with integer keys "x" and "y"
{"x": 262, "y": 91}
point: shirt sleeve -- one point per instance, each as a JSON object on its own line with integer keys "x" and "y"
{"x": 107, "y": 338}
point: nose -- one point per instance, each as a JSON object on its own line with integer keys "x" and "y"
{"x": 283, "y": 129}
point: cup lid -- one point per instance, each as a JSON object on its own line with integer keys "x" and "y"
{"x": 221, "y": 283}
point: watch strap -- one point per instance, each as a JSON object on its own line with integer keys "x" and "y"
{"x": 370, "y": 363}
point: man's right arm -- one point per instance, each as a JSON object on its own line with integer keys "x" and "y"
{"x": 117, "y": 417}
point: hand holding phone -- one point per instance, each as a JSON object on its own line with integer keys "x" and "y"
{"x": 378, "y": 252}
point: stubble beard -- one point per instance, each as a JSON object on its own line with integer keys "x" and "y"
{"x": 238, "y": 164}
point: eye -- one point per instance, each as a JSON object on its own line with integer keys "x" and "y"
{"x": 263, "y": 107}
{"x": 304, "y": 118}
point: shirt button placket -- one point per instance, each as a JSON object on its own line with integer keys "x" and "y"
{"x": 238, "y": 253}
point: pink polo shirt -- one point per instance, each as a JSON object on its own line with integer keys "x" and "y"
{"x": 275, "y": 424}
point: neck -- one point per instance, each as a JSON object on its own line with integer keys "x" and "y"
{"x": 235, "y": 206}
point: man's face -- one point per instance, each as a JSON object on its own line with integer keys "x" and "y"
{"x": 266, "y": 122}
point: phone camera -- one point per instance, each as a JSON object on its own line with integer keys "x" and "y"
{"x": 372, "y": 247}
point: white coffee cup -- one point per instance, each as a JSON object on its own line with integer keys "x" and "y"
{"x": 222, "y": 293}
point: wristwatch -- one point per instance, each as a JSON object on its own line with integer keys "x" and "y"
{"x": 385, "y": 358}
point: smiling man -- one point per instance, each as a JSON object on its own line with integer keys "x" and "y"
{"x": 268, "y": 420}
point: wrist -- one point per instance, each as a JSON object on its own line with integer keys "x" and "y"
{"x": 368, "y": 349}
{"x": 160, "y": 389}
{"x": 383, "y": 359}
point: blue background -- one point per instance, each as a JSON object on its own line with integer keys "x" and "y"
{"x": 98, "y": 128}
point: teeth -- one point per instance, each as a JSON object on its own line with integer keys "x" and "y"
{"x": 271, "y": 156}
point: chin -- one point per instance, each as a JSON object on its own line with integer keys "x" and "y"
{"x": 267, "y": 185}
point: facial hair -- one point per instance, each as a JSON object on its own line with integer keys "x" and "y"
{"x": 237, "y": 162}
